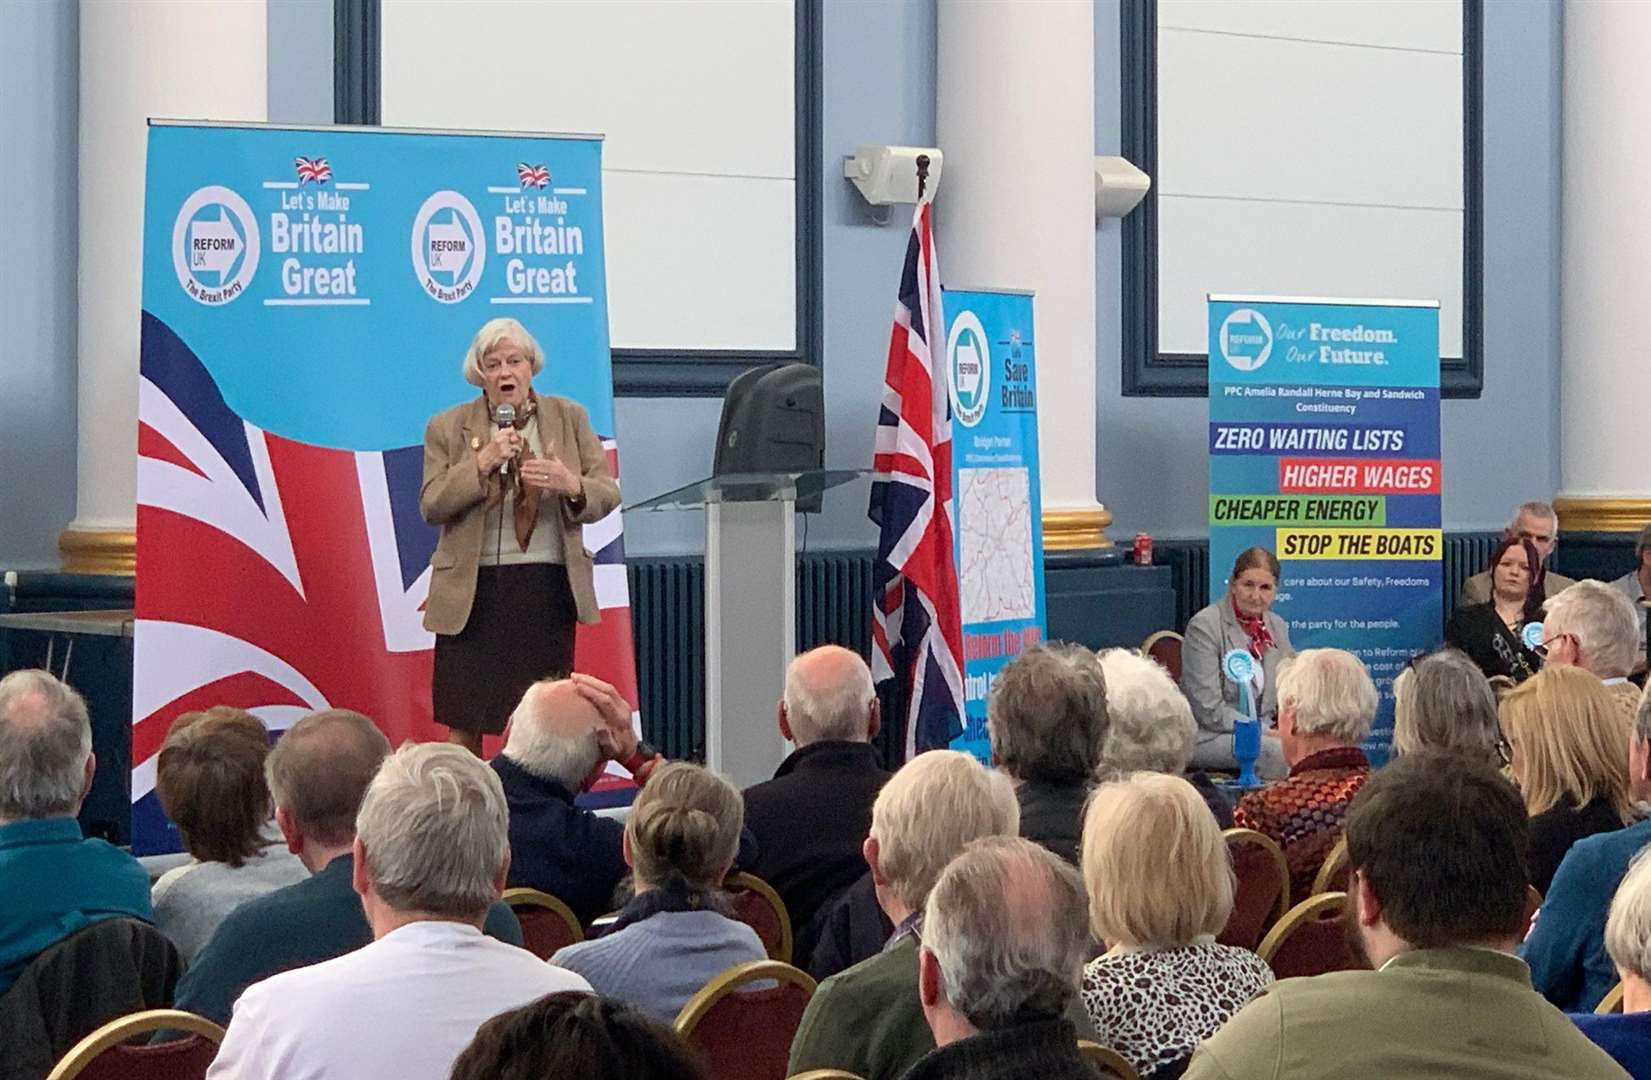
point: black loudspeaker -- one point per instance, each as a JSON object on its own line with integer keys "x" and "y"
{"x": 773, "y": 420}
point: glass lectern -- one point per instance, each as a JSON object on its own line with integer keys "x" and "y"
{"x": 750, "y": 607}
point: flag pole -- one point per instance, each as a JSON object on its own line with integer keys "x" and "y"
{"x": 922, "y": 175}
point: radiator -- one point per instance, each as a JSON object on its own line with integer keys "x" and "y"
{"x": 1466, "y": 554}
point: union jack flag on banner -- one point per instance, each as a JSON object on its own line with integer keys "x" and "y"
{"x": 532, "y": 175}
{"x": 917, "y": 624}
{"x": 312, "y": 169}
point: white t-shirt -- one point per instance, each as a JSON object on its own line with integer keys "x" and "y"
{"x": 402, "y": 1008}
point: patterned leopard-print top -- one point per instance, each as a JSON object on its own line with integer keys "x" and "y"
{"x": 1154, "y": 1006}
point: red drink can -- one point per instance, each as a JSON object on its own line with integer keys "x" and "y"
{"x": 1143, "y": 549}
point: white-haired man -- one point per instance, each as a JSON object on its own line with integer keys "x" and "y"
{"x": 431, "y": 854}
{"x": 1636, "y": 586}
{"x": 1593, "y": 626}
{"x": 1534, "y": 521}
{"x": 1626, "y": 1035}
{"x": 53, "y": 880}
{"x": 1326, "y": 701}
{"x": 1005, "y": 934}
{"x": 811, "y": 819}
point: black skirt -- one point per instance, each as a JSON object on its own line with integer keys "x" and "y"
{"x": 520, "y": 630}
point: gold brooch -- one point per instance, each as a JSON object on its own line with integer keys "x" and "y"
{"x": 475, "y": 442}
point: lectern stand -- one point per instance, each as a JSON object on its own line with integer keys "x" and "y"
{"x": 750, "y": 607}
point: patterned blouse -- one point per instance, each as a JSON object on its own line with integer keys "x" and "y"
{"x": 1304, "y": 811}
{"x": 1154, "y": 1006}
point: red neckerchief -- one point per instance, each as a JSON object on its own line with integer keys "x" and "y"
{"x": 1256, "y": 628}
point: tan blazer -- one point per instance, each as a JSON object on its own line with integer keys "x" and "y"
{"x": 453, "y": 498}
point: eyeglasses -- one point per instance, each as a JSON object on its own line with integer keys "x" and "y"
{"x": 1542, "y": 649}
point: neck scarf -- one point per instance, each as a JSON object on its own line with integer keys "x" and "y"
{"x": 526, "y": 505}
{"x": 1255, "y": 627}
{"x": 674, "y": 895}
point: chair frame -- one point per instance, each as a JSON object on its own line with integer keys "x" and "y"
{"x": 701, "y": 1004}
{"x": 825, "y": 1074}
{"x": 1155, "y": 637}
{"x": 1611, "y": 1002}
{"x": 1106, "y": 1059}
{"x": 742, "y": 881}
{"x": 1309, "y": 909}
{"x": 534, "y": 898}
{"x": 123, "y": 1028}
{"x": 1261, "y": 839}
{"x": 1334, "y": 863}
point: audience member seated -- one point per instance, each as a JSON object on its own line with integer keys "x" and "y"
{"x": 210, "y": 778}
{"x": 1566, "y": 737}
{"x": 1636, "y": 586}
{"x": 561, "y": 736}
{"x": 1242, "y": 618}
{"x": 577, "y": 1035}
{"x": 1004, "y": 937}
{"x": 1437, "y": 846}
{"x": 1593, "y": 626}
{"x": 811, "y": 820}
{"x": 318, "y": 773}
{"x": 867, "y": 1020}
{"x": 1570, "y": 964}
{"x": 431, "y": 855}
{"x": 1537, "y": 523}
{"x": 1492, "y": 631}
{"x": 1626, "y": 1036}
{"x": 1326, "y": 702}
{"x": 671, "y": 939}
{"x": 1442, "y": 701}
{"x": 1047, "y": 721}
{"x": 1150, "y": 727}
{"x": 53, "y": 881}
{"x": 1160, "y": 886}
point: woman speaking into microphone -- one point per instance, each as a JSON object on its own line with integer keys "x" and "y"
{"x": 509, "y": 478}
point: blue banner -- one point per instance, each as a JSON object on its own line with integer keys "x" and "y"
{"x": 992, "y": 372}
{"x": 1324, "y": 448}
{"x": 308, "y": 299}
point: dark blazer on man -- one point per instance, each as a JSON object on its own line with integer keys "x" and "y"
{"x": 559, "y": 848}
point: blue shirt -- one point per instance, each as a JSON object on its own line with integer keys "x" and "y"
{"x": 55, "y": 882}
{"x": 659, "y": 963}
{"x": 1566, "y": 947}
{"x": 1625, "y": 1036}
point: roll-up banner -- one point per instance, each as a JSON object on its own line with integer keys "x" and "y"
{"x": 308, "y": 297}
{"x": 1324, "y": 448}
{"x": 992, "y": 371}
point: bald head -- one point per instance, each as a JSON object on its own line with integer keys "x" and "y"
{"x": 318, "y": 772}
{"x": 553, "y": 733}
{"x": 45, "y": 747}
{"x": 829, "y": 695}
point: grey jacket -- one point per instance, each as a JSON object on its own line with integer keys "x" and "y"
{"x": 1211, "y": 634}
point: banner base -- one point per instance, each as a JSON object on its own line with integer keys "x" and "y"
{"x": 1076, "y": 529}
{"x": 99, "y": 551}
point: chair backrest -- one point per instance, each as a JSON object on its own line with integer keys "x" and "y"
{"x": 1263, "y": 893}
{"x": 1612, "y": 1001}
{"x": 1533, "y": 904}
{"x": 110, "y": 1054}
{"x": 826, "y": 1074}
{"x": 1107, "y": 1061}
{"x": 757, "y": 905}
{"x": 1333, "y": 875}
{"x": 1309, "y": 940}
{"x": 747, "y": 1034}
{"x": 1164, "y": 646}
{"x": 547, "y": 923}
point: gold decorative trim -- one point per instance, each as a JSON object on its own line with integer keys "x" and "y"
{"x": 1076, "y": 530}
{"x": 99, "y": 551}
{"x": 1602, "y": 513}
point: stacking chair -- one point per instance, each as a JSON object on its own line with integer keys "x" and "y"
{"x": 825, "y": 1074}
{"x": 109, "y": 1053}
{"x": 747, "y": 1034}
{"x": 1309, "y": 939}
{"x": 1107, "y": 1061}
{"x": 1333, "y": 875}
{"x": 1612, "y": 1001}
{"x": 1164, "y": 646}
{"x": 547, "y": 923}
{"x": 758, "y": 906}
{"x": 1263, "y": 893}
{"x": 1533, "y": 904}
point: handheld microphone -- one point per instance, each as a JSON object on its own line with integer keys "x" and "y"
{"x": 505, "y": 416}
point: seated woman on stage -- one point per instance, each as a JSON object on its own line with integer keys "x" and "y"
{"x": 1567, "y": 738}
{"x": 1241, "y": 619}
{"x": 1492, "y": 633}
{"x": 511, "y": 478}
{"x": 1160, "y": 888}
{"x": 1442, "y": 701}
{"x": 672, "y": 939}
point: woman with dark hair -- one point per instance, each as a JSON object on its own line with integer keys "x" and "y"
{"x": 1493, "y": 633}
{"x": 575, "y": 1034}
{"x": 1241, "y": 619}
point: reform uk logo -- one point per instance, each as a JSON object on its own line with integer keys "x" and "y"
{"x": 449, "y": 247}
{"x": 968, "y": 364}
{"x": 1246, "y": 339}
{"x": 215, "y": 245}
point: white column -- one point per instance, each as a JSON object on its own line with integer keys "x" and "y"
{"x": 177, "y": 59}
{"x": 1605, "y": 268}
{"x": 1015, "y": 111}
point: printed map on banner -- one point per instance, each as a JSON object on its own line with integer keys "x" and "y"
{"x": 995, "y": 519}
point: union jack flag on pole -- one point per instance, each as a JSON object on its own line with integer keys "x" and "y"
{"x": 917, "y": 624}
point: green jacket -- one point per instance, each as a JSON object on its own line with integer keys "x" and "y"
{"x": 1463, "y": 1013}
{"x": 869, "y": 1020}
